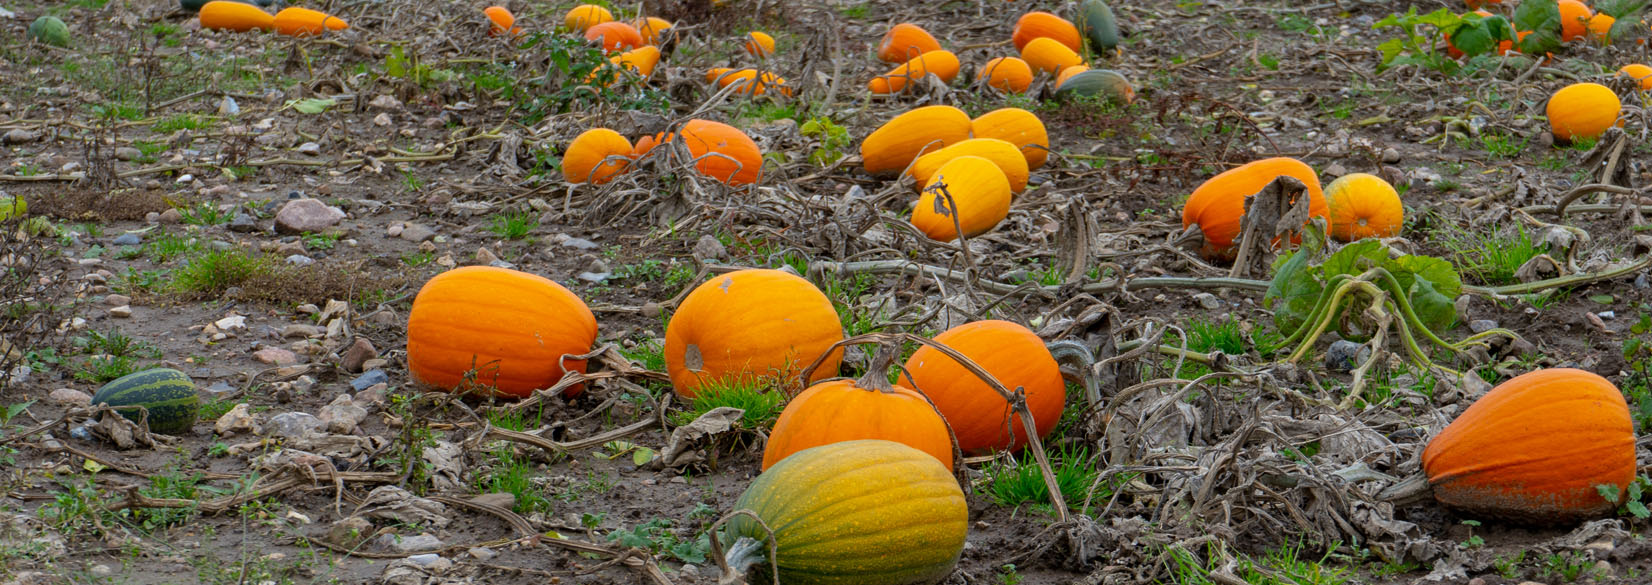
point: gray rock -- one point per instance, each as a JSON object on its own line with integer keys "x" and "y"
{"x": 171, "y": 216}
{"x": 306, "y": 215}
{"x": 117, "y": 300}
{"x": 350, "y": 532}
{"x": 580, "y": 244}
{"x": 386, "y": 103}
{"x": 121, "y": 312}
{"x": 709, "y": 248}
{"x": 416, "y": 233}
{"x": 302, "y": 331}
{"x": 243, "y": 223}
{"x": 359, "y": 352}
{"x": 1482, "y": 325}
{"x": 300, "y": 260}
{"x": 309, "y": 149}
{"x": 1344, "y": 355}
{"x": 239, "y": 420}
{"x": 597, "y": 277}
{"x": 1208, "y": 301}
{"x": 68, "y": 397}
{"x": 20, "y": 136}
{"x": 342, "y": 415}
{"x": 275, "y": 356}
{"x": 368, "y": 379}
{"x": 408, "y": 544}
{"x": 292, "y": 425}
{"x": 127, "y": 240}
{"x": 228, "y": 107}
{"x": 127, "y": 153}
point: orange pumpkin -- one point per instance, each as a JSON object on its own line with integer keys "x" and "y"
{"x": 724, "y": 77}
{"x": 640, "y": 60}
{"x": 1007, "y": 74}
{"x": 235, "y": 16}
{"x": 1019, "y": 127}
{"x": 844, "y": 410}
{"x": 1638, "y": 72}
{"x": 979, "y": 416}
{"x": 588, "y": 158}
{"x": 1534, "y": 448}
{"x": 1217, "y": 205}
{"x": 1583, "y": 110}
{"x": 510, "y": 328}
{"x": 896, "y": 143}
{"x": 723, "y": 152}
{"x": 751, "y": 324}
{"x": 501, "y": 20}
{"x": 303, "y": 22}
{"x": 585, "y": 16}
{"x": 1047, "y": 55}
{"x": 905, "y": 41}
{"x": 1574, "y": 20}
{"x": 1600, "y": 28}
{"x": 1363, "y": 206}
{"x": 759, "y": 44}
{"x": 976, "y": 198}
{"x": 1035, "y": 25}
{"x": 1003, "y": 154}
{"x": 651, "y": 28}
{"x": 646, "y": 144}
{"x": 942, "y": 64}
{"x": 614, "y": 36}
{"x": 1068, "y": 72}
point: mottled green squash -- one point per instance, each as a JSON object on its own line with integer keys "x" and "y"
{"x": 1100, "y": 27}
{"x": 869, "y": 512}
{"x": 168, "y": 394}
{"x": 1104, "y": 83}
{"x": 49, "y": 30}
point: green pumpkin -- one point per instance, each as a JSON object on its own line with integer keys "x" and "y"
{"x": 868, "y": 512}
{"x": 168, "y": 395}
{"x": 1100, "y": 27}
{"x": 49, "y": 30}
{"x": 1104, "y": 83}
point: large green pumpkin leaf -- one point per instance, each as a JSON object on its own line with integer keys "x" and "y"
{"x": 1433, "y": 286}
{"x": 1434, "y": 309}
{"x": 1296, "y": 287}
{"x": 1356, "y": 258}
{"x": 1479, "y": 35}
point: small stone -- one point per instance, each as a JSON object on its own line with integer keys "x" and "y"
{"x": 1335, "y": 170}
{"x": 709, "y": 248}
{"x": 414, "y": 232}
{"x": 579, "y": 244}
{"x": 394, "y": 230}
{"x": 243, "y": 223}
{"x": 68, "y": 397}
{"x": 117, "y": 300}
{"x": 171, "y": 215}
{"x": 373, "y": 395}
{"x": 1482, "y": 325}
{"x": 275, "y": 356}
{"x": 292, "y": 425}
{"x": 102, "y": 571}
{"x": 231, "y": 323}
{"x": 382, "y": 120}
{"x": 386, "y": 102}
{"x": 308, "y": 309}
{"x": 20, "y": 136}
{"x": 360, "y": 351}
{"x": 239, "y": 420}
{"x": 127, "y": 240}
{"x": 408, "y": 544}
{"x": 652, "y": 309}
{"x": 121, "y": 312}
{"x": 597, "y": 277}
{"x": 1208, "y": 301}
{"x": 342, "y": 415}
{"x": 185, "y": 179}
{"x": 309, "y": 149}
{"x": 291, "y": 331}
{"x": 368, "y": 379}
{"x": 446, "y": 261}
{"x": 1603, "y": 570}
{"x": 350, "y": 532}
{"x": 306, "y": 215}
{"x": 1344, "y": 355}
{"x": 1477, "y": 581}
{"x": 485, "y": 256}
{"x": 300, "y": 260}
{"x": 481, "y": 554}
{"x": 228, "y": 108}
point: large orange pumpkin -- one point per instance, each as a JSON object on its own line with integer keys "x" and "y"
{"x": 751, "y": 324}
{"x": 651, "y": 28}
{"x": 585, "y": 16}
{"x": 905, "y": 41}
{"x": 1583, "y": 110}
{"x": 1019, "y": 127}
{"x": 942, "y": 64}
{"x": 303, "y": 22}
{"x": 1638, "y": 72}
{"x": 235, "y": 16}
{"x": 588, "y": 158}
{"x": 1033, "y": 25}
{"x": 509, "y": 327}
{"x": 1363, "y": 206}
{"x": 980, "y": 417}
{"x": 976, "y": 198}
{"x": 1574, "y": 20}
{"x": 614, "y": 36}
{"x": 1050, "y": 56}
{"x": 845, "y": 410}
{"x": 1008, "y": 74}
{"x": 1000, "y": 152}
{"x": 1217, "y": 205}
{"x": 749, "y": 80}
{"x": 1534, "y": 448}
{"x": 896, "y": 143}
{"x": 723, "y": 152}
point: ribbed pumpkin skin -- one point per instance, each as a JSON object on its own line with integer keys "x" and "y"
{"x": 1050, "y": 56}
{"x": 651, "y": 28}
{"x": 640, "y": 60}
{"x": 501, "y": 20}
{"x": 1534, "y": 448}
{"x": 585, "y": 16}
{"x": 586, "y": 159}
{"x": 759, "y": 44}
{"x": 978, "y": 415}
{"x": 905, "y": 41}
{"x": 168, "y": 395}
{"x": 751, "y": 323}
{"x": 864, "y": 512}
{"x": 894, "y": 145}
{"x": 1019, "y": 127}
{"x": 1001, "y": 153}
{"x": 1218, "y": 204}
{"x": 1583, "y": 110}
{"x": 1033, "y": 25}
{"x": 1363, "y": 206}
{"x": 978, "y": 189}
{"x": 482, "y": 314}
{"x": 303, "y": 22}
{"x": 1009, "y": 74}
{"x": 615, "y": 36}
{"x": 1638, "y": 72}
{"x": 1068, "y": 73}
{"x": 942, "y": 64}
{"x": 740, "y": 163}
{"x": 235, "y": 16}
{"x": 839, "y": 410}
{"x": 724, "y": 77}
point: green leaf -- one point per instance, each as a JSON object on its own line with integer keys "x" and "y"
{"x": 1619, "y": 9}
{"x": 1443, "y": 19}
{"x": 1538, "y": 16}
{"x": 1638, "y": 509}
{"x": 1540, "y": 42}
{"x": 1603, "y": 299}
{"x": 1390, "y": 49}
{"x": 311, "y": 105}
{"x": 1607, "y": 491}
{"x": 1634, "y": 491}
{"x": 1294, "y": 283}
{"x": 642, "y": 455}
{"x": 1479, "y": 35}
{"x": 1435, "y": 310}
{"x": 1356, "y": 258}
{"x": 1623, "y": 27}
{"x": 1439, "y": 272}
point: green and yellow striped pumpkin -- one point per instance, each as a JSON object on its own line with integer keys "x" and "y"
{"x": 168, "y": 394}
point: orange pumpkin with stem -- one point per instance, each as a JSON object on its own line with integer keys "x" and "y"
{"x": 759, "y": 44}
{"x": 1363, "y": 206}
{"x": 1047, "y": 55}
{"x": 596, "y": 156}
{"x": 905, "y": 41}
{"x": 896, "y": 143}
{"x": 750, "y": 82}
{"x": 968, "y": 193}
{"x": 498, "y": 328}
{"x": 1583, "y": 110}
{"x": 303, "y": 22}
{"x": 1642, "y": 74}
{"x": 1003, "y": 154}
{"x": 753, "y": 324}
{"x": 1034, "y": 25}
{"x": 1574, "y": 20}
{"x": 723, "y": 152}
{"x": 614, "y": 36}
{"x": 871, "y": 408}
{"x": 1534, "y": 448}
{"x": 585, "y": 16}
{"x": 1009, "y": 74}
{"x": 981, "y": 419}
{"x": 942, "y": 64}
{"x": 1217, "y": 205}
{"x": 651, "y": 28}
{"x": 501, "y": 20}
{"x": 1016, "y": 126}
{"x": 235, "y": 16}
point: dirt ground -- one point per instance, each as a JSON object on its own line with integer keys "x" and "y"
{"x": 149, "y": 148}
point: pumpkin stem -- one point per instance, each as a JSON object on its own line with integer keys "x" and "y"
{"x": 745, "y": 552}
{"x": 1408, "y": 491}
{"x": 877, "y": 372}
